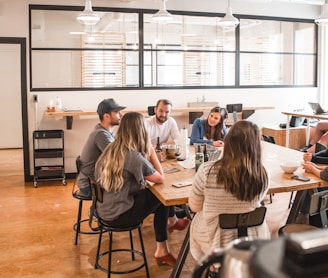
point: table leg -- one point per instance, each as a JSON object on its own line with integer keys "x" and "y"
{"x": 287, "y": 131}
{"x": 297, "y": 204}
{"x": 307, "y": 131}
{"x": 181, "y": 257}
{"x": 184, "y": 249}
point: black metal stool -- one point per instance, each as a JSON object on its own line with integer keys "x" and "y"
{"x": 76, "y": 194}
{"x": 105, "y": 227}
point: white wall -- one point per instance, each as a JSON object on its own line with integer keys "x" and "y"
{"x": 14, "y": 23}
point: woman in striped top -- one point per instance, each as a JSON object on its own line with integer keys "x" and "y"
{"x": 236, "y": 183}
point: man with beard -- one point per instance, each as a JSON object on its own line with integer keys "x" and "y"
{"x": 162, "y": 125}
{"x": 165, "y": 127}
{"x": 110, "y": 116}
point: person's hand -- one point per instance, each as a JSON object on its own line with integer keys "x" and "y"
{"x": 307, "y": 157}
{"x": 309, "y": 167}
{"x": 218, "y": 143}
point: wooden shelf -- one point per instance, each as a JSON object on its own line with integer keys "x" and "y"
{"x": 247, "y": 111}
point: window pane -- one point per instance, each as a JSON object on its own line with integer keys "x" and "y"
{"x": 305, "y": 37}
{"x": 276, "y": 36}
{"x": 169, "y": 68}
{"x": 57, "y": 68}
{"x": 189, "y": 32}
{"x": 132, "y": 68}
{"x": 266, "y": 69}
{"x": 271, "y": 69}
{"x": 209, "y": 69}
{"x": 305, "y": 70}
{"x": 60, "y": 29}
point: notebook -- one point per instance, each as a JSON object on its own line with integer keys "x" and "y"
{"x": 317, "y": 109}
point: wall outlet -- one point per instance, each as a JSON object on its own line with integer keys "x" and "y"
{"x": 35, "y": 98}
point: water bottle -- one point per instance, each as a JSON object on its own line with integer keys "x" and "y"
{"x": 58, "y": 104}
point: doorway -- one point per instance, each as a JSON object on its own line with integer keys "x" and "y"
{"x": 13, "y": 97}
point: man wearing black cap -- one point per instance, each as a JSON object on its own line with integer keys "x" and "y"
{"x": 110, "y": 116}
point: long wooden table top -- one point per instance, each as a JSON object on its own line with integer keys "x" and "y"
{"x": 308, "y": 115}
{"x": 272, "y": 155}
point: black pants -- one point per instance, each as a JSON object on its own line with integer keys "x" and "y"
{"x": 145, "y": 203}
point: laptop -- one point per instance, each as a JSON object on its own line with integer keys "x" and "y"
{"x": 317, "y": 109}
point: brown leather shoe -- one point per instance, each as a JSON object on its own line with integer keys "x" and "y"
{"x": 168, "y": 259}
{"x": 181, "y": 224}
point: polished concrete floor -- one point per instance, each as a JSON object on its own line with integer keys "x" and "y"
{"x": 37, "y": 238}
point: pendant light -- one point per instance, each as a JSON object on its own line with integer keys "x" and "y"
{"x": 228, "y": 20}
{"x": 323, "y": 17}
{"x": 162, "y": 14}
{"x": 88, "y": 16}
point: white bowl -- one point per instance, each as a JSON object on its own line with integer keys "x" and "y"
{"x": 289, "y": 167}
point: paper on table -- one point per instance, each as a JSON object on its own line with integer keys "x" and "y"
{"x": 189, "y": 163}
{"x": 182, "y": 183}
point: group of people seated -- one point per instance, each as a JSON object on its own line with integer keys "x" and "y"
{"x": 123, "y": 162}
{"x": 316, "y": 152}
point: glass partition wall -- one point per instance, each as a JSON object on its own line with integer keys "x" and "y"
{"x": 127, "y": 49}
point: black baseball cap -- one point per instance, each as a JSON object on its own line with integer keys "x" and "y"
{"x": 108, "y": 105}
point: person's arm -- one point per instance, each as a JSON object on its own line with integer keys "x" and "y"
{"x": 158, "y": 176}
{"x": 174, "y": 133}
{"x": 197, "y": 133}
{"x": 102, "y": 139}
{"x": 319, "y": 157}
{"x": 324, "y": 174}
{"x": 312, "y": 168}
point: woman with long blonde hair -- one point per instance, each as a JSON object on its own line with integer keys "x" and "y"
{"x": 236, "y": 183}
{"x": 122, "y": 170}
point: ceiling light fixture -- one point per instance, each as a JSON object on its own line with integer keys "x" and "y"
{"x": 162, "y": 14}
{"x": 88, "y": 16}
{"x": 323, "y": 17}
{"x": 228, "y": 20}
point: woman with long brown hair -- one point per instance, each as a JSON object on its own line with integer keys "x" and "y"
{"x": 211, "y": 130}
{"x": 236, "y": 183}
{"x": 123, "y": 170}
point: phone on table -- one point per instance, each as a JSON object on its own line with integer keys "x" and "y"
{"x": 300, "y": 178}
{"x": 171, "y": 170}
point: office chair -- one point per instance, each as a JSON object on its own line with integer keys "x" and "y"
{"x": 236, "y": 111}
{"x": 151, "y": 110}
{"x": 239, "y": 221}
{"x": 317, "y": 215}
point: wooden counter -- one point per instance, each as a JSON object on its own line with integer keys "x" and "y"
{"x": 247, "y": 111}
{"x": 297, "y": 135}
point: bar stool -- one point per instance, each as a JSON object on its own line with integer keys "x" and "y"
{"x": 77, "y": 195}
{"x": 104, "y": 227}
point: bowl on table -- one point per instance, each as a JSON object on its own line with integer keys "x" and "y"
{"x": 289, "y": 167}
{"x": 171, "y": 151}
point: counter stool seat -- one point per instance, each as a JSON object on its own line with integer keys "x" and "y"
{"x": 77, "y": 194}
{"x": 77, "y": 226}
{"x": 295, "y": 228}
{"x": 103, "y": 227}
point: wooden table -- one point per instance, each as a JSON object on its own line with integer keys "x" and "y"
{"x": 279, "y": 182}
{"x": 247, "y": 111}
{"x": 308, "y": 116}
